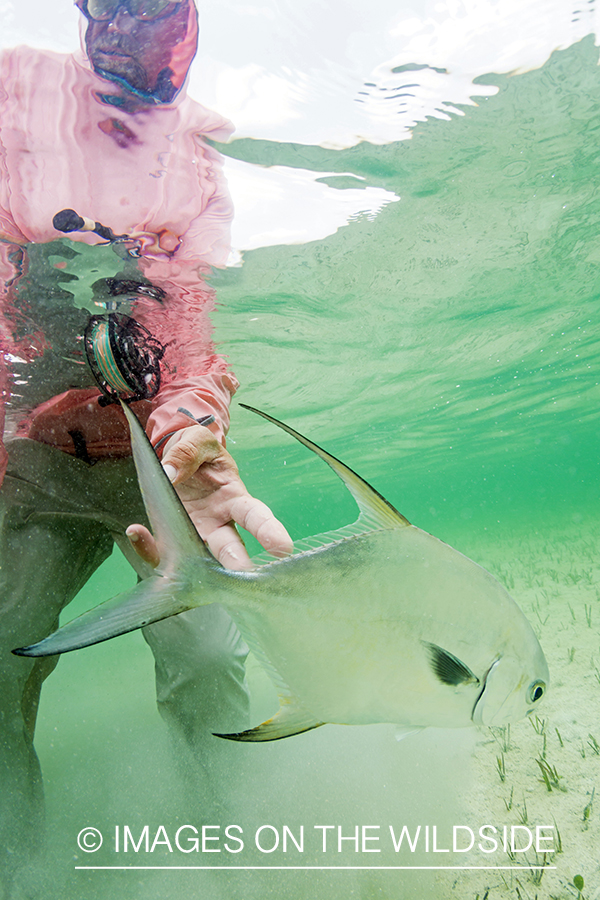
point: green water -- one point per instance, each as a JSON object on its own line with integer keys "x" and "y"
{"x": 450, "y": 344}
{"x": 448, "y": 351}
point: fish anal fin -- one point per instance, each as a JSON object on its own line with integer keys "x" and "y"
{"x": 292, "y": 718}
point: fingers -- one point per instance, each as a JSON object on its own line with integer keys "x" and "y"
{"x": 187, "y": 450}
{"x": 216, "y": 499}
{"x": 256, "y": 517}
{"x": 144, "y": 544}
{"x": 224, "y": 543}
{"x": 227, "y": 546}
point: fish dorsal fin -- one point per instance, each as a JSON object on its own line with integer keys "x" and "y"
{"x": 375, "y": 511}
{"x": 292, "y": 718}
{"x": 174, "y": 531}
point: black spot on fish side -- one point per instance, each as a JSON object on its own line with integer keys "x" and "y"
{"x": 448, "y": 668}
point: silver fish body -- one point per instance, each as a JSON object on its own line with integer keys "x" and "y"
{"x": 350, "y": 627}
{"x": 379, "y": 622}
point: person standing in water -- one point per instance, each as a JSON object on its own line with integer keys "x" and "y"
{"x": 109, "y": 136}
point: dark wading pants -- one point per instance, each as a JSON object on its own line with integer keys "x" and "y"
{"x": 59, "y": 518}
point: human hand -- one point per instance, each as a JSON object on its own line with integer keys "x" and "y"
{"x": 209, "y": 485}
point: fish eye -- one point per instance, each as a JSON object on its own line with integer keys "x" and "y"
{"x": 536, "y": 691}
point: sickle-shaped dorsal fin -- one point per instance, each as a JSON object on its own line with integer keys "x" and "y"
{"x": 375, "y": 510}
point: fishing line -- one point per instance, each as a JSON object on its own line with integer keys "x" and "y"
{"x": 124, "y": 358}
{"x": 123, "y": 355}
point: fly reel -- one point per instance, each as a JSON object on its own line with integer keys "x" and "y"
{"x": 124, "y": 358}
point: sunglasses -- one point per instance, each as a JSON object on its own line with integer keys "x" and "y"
{"x": 142, "y": 10}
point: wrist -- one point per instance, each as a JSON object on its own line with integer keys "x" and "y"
{"x": 161, "y": 443}
{"x": 179, "y": 422}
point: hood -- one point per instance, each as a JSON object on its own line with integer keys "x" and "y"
{"x": 170, "y": 80}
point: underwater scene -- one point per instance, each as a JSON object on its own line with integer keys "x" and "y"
{"x": 412, "y": 283}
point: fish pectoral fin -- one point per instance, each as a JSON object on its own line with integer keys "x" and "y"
{"x": 292, "y": 718}
{"x": 151, "y": 600}
{"x": 449, "y": 668}
{"x": 404, "y": 731}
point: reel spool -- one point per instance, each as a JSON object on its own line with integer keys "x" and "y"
{"x": 124, "y": 358}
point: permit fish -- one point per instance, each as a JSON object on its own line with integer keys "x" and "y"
{"x": 376, "y": 622}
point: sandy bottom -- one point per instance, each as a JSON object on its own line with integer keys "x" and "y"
{"x": 557, "y": 582}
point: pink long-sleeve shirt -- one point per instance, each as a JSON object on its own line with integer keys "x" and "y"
{"x": 65, "y": 142}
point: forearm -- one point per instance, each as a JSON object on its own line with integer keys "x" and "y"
{"x": 208, "y": 394}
